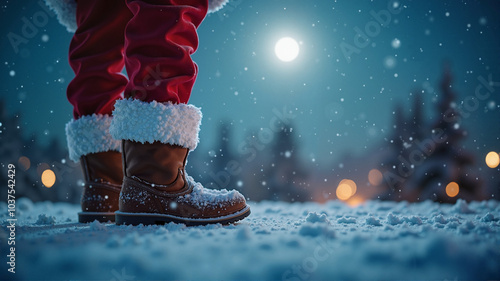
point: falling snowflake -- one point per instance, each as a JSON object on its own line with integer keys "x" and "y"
{"x": 396, "y": 43}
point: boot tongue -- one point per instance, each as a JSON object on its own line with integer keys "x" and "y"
{"x": 156, "y": 163}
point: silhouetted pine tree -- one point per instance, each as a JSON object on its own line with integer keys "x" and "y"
{"x": 452, "y": 163}
{"x": 407, "y": 131}
{"x": 287, "y": 176}
{"x": 425, "y": 159}
{"x": 223, "y": 151}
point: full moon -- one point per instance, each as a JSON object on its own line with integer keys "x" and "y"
{"x": 286, "y": 49}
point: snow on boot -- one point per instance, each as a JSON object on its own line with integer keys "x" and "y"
{"x": 90, "y": 142}
{"x": 103, "y": 179}
{"x": 156, "y": 189}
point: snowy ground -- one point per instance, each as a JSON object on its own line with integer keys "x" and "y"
{"x": 279, "y": 241}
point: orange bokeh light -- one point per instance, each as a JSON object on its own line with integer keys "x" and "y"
{"x": 375, "y": 177}
{"x": 48, "y": 178}
{"x": 346, "y": 189}
{"x": 24, "y": 162}
{"x": 452, "y": 189}
{"x": 355, "y": 201}
{"x": 492, "y": 159}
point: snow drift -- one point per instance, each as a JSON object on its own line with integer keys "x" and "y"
{"x": 279, "y": 241}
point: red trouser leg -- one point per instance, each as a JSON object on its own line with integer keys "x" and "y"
{"x": 96, "y": 56}
{"x": 159, "y": 42}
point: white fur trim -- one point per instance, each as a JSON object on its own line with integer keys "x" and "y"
{"x": 215, "y": 5}
{"x": 176, "y": 124}
{"x": 90, "y": 134}
{"x": 65, "y": 11}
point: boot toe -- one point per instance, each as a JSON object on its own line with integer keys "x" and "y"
{"x": 214, "y": 202}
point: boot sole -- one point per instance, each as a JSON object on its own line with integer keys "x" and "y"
{"x": 149, "y": 218}
{"x": 86, "y": 217}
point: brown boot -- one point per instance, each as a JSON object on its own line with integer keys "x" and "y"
{"x": 90, "y": 143}
{"x": 156, "y": 190}
{"x": 157, "y": 138}
{"x": 103, "y": 180}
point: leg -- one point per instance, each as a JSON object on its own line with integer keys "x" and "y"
{"x": 160, "y": 39}
{"x": 96, "y": 56}
{"x": 156, "y": 125}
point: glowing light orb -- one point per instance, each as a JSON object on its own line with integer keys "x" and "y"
{"x": 452, "y": 189}
{"x": 390, "y": 62}
{"x": 492, "y": 159}
{"x": 343, "y": 192}
{"x": 355, "y": 201}
{"x": 346, "y": 189}
{"x": 396, "y": 43}
{"x": 286, "y": 49}
{"x": 24, "y": 162}
{"x": 48, "y": 178}
{"x": 375, "y": 177}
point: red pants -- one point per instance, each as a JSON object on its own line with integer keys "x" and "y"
{"x": 154, "y": 39}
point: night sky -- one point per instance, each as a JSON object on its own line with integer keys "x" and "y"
{"x": 339, "y": 103}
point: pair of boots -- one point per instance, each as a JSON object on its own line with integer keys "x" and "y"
{"x": 145, "y": 183}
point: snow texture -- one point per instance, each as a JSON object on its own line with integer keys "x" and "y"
{"x": 204, "y": 197}
{"x": 44, "y": 219}
{"x": 90, "y": 134}
{"x": 175, "y": 124}
{"x": 200, "y": 197}
{"x": 66, "y": 11}
{"x": 279, "y": 241}
{"x": 215, "y": 5}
